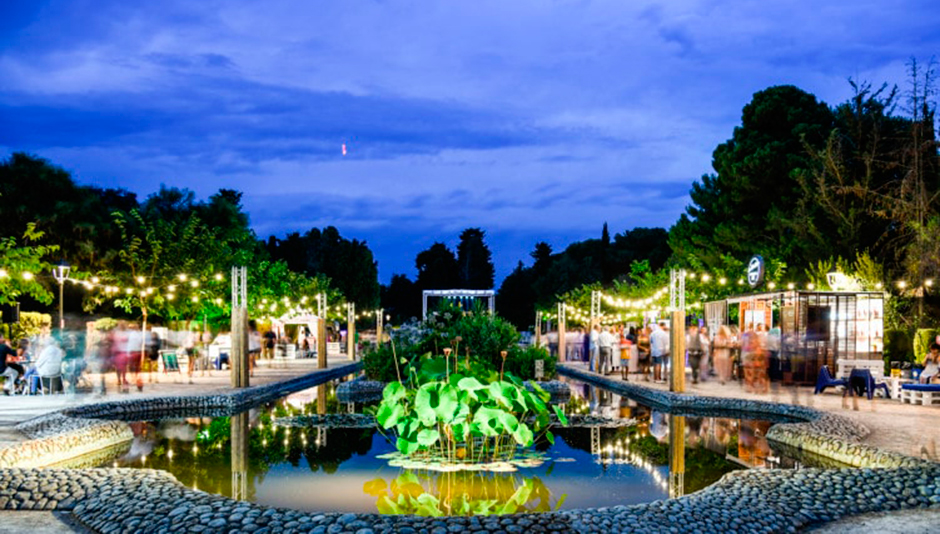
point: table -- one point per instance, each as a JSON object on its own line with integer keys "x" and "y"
{"x": 895, "y": 383}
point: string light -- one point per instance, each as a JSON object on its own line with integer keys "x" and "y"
{"x": 28, "y": 275}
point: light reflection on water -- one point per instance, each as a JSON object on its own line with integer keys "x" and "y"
{"x": 317, "y": 469}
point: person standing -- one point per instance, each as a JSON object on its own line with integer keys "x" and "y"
{"x": 643, "y": 352}
{"x": 605, "y": 346}
{"x": 12, "y": 371}
{"x": 722, "y": 354}
{"x": 254, "y": 346}
{"x": 694, "y": 343}
{"x": 706, "y": 368}
{"x": 270, "y": 338}
{"x": 595, "y": 335}
{"x": 659, "y": 350}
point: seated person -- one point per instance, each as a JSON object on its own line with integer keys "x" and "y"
{"x": 49, "y": 365}
{"x": 931, "y": 372}
{"x": 8, "y": 367}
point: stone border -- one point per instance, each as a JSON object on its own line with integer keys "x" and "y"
{"x": 140, "y": 500}
{"x": 143, "y": 500}
{"x": 58, "y": 438}
{"x": 822, "y": 433}
{"x": 71, "y": 433}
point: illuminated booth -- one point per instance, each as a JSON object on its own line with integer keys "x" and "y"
{"x": 807, "y": 329}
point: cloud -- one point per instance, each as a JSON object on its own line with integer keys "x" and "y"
{"x": 534, "y": 120}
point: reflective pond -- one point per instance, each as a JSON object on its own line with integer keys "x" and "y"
{"x": 251, "y": 457}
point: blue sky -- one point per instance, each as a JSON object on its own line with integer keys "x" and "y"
{"x": 533, "y": 119}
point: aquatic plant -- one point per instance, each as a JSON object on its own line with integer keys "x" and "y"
{"x": 450, "y": 410}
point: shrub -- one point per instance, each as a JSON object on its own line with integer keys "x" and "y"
{"x": 898, "y": 347}
{"x": 485, "y": 335}
{"x": 31, "y": 324}
{"x": 922, "y": 340}
{"x": 521, "y": 362}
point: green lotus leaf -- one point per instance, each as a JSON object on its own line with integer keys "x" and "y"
{"x": 393, "y": 392}
{"x": 428, "y": 437}
{"x": 550, "y": 437}
{"x": 561, "y": 415}
{"x": 389, "y": 415}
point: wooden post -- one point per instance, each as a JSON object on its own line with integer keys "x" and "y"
{"x": 351, "y": 331}
{"x": 538, "y": 329}
{"x": 239, "y": 438}
{"x": 321, "y": 332}
{"x": 677, "y": 353}
{"x": 676, "y": 456}
{"x": 562, "y": 320}
{"x": 238, "y": 358}
{"x": 379, "y": 324}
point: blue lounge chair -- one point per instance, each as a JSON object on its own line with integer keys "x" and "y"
{"x": 825, "y": 380}
{"x": 862, "y": 379}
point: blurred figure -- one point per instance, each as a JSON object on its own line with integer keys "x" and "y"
{"x": 643, "y": 352}
{"x": 49, "y": 366}
{"x": 152, "y": 345}
{"x": 552, "y": 343}
{"x": 593, "y": 346}
{"x": 270, "y": 338}
{"x": 693, "y": 343}
{"x": 189, "y": 345}
{"x": 722, "y": 354}
{"x": 659, "y": 349}
{"x": 605, "y": 345}
{"x": 707, "y": 364}
{"x": 254, "y": 346}
{"x": 135, "y": 353}
{"x": 8, "y": 368}
{"x": 120, "y": 355}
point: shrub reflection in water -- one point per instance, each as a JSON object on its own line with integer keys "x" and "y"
{"x": 461, "y": 493}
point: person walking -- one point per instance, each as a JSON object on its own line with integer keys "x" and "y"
{"x": 694, "y": 344}
{"x": 659, "y": 350}
{"x": 605, "y": 349}
{"x": 595, "y": 335}
{"x": 722, "y": 354}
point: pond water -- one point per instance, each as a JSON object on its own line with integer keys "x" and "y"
{"x": 252, "y": 458}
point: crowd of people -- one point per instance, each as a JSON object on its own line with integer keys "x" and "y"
{"x": 128, "y": 355}
{"x": 751, "y": 355}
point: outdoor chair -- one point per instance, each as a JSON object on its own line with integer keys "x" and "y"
{"x": 926, "y": 394}
{"x": 861, "y": 379}
{"x": 825, "y": 380}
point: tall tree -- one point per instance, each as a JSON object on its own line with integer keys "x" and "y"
{"x": 474, "y": 260}
{"x": 750, "y": 204}
{"x": 349, "y": 264}
{"x": 401, "y": 299}
{"x": 437, "y": 268}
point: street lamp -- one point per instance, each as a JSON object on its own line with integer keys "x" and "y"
{"x": 61, "y": 274}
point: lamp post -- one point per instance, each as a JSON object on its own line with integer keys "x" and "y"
{"x": 61, "y": 274}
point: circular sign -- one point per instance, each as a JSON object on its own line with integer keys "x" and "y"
{"x": 755, "y": 271}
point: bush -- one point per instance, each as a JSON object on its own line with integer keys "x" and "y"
{"x": 898, "y": 348}
{"x": 486, "y": 336}
{"x": 31, "y": 324}
{"x": 922, "y": 341}
{"x": 521, "y": 362}
{"x": 379, "y": 364}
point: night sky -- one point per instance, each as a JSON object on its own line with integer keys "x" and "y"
{"x": 533, "y": 119}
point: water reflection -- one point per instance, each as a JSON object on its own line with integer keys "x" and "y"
{"x": 653, "y": 456}
{"x": 461, "y": 493}
{"x": 239, "y": 448}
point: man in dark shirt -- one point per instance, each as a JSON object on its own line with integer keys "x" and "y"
{"x": 10, "y": 370}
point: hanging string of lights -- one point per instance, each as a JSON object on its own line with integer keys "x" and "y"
{"x": 654, "y": 303}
